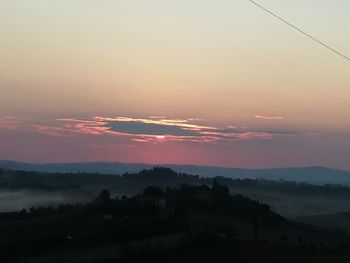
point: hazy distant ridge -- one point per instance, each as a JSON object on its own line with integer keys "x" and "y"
{"x": 313, "y": 175}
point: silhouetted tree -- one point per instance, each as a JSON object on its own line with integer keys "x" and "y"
{"x": 154, "y": 191}
{"x": 220, "y": 190}
{"x": 104, "y": 197}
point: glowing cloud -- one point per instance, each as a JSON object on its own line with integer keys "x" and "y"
{"x": 159, "y": 130}
{"x": 145, "y": 130}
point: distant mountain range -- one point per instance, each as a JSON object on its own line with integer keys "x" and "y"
{"x": 312, "y": 175}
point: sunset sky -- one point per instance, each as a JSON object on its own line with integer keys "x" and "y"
{"x": 199, "y": 82}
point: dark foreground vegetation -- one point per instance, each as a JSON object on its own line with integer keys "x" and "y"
{"x": 188, "y": 223}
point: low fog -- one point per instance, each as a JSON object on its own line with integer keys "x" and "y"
{"x": 295, "y": 205}
{"x": 25, "y": 199}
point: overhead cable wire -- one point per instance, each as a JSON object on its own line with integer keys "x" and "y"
{"x": 300, "y": 30}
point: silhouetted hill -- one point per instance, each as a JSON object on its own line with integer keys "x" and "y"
{"x": 339, "y": 221}
{"x": 291, "y": 199}
{"x": 312, "y": 175}
{"x": 160, "y": 222}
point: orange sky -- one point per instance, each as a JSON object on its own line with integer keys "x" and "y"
{"x": 214, "y": 63}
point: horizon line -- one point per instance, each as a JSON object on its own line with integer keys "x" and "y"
{"x": 176, "y": 164}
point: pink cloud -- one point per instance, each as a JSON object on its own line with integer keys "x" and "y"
{"x": 140, "y": 130}
{"x": 269, "y": 117}
{"x": 157, "y": 117}
{"x": 183, "y": 123}
{"x": 49, "y": 130}
{"x": 9, "y": 123}
{"x": 203, "y": 133}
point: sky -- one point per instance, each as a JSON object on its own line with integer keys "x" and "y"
{"x": 205, "y": 82}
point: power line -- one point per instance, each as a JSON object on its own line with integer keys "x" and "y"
{"x": 300, "y": 30}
